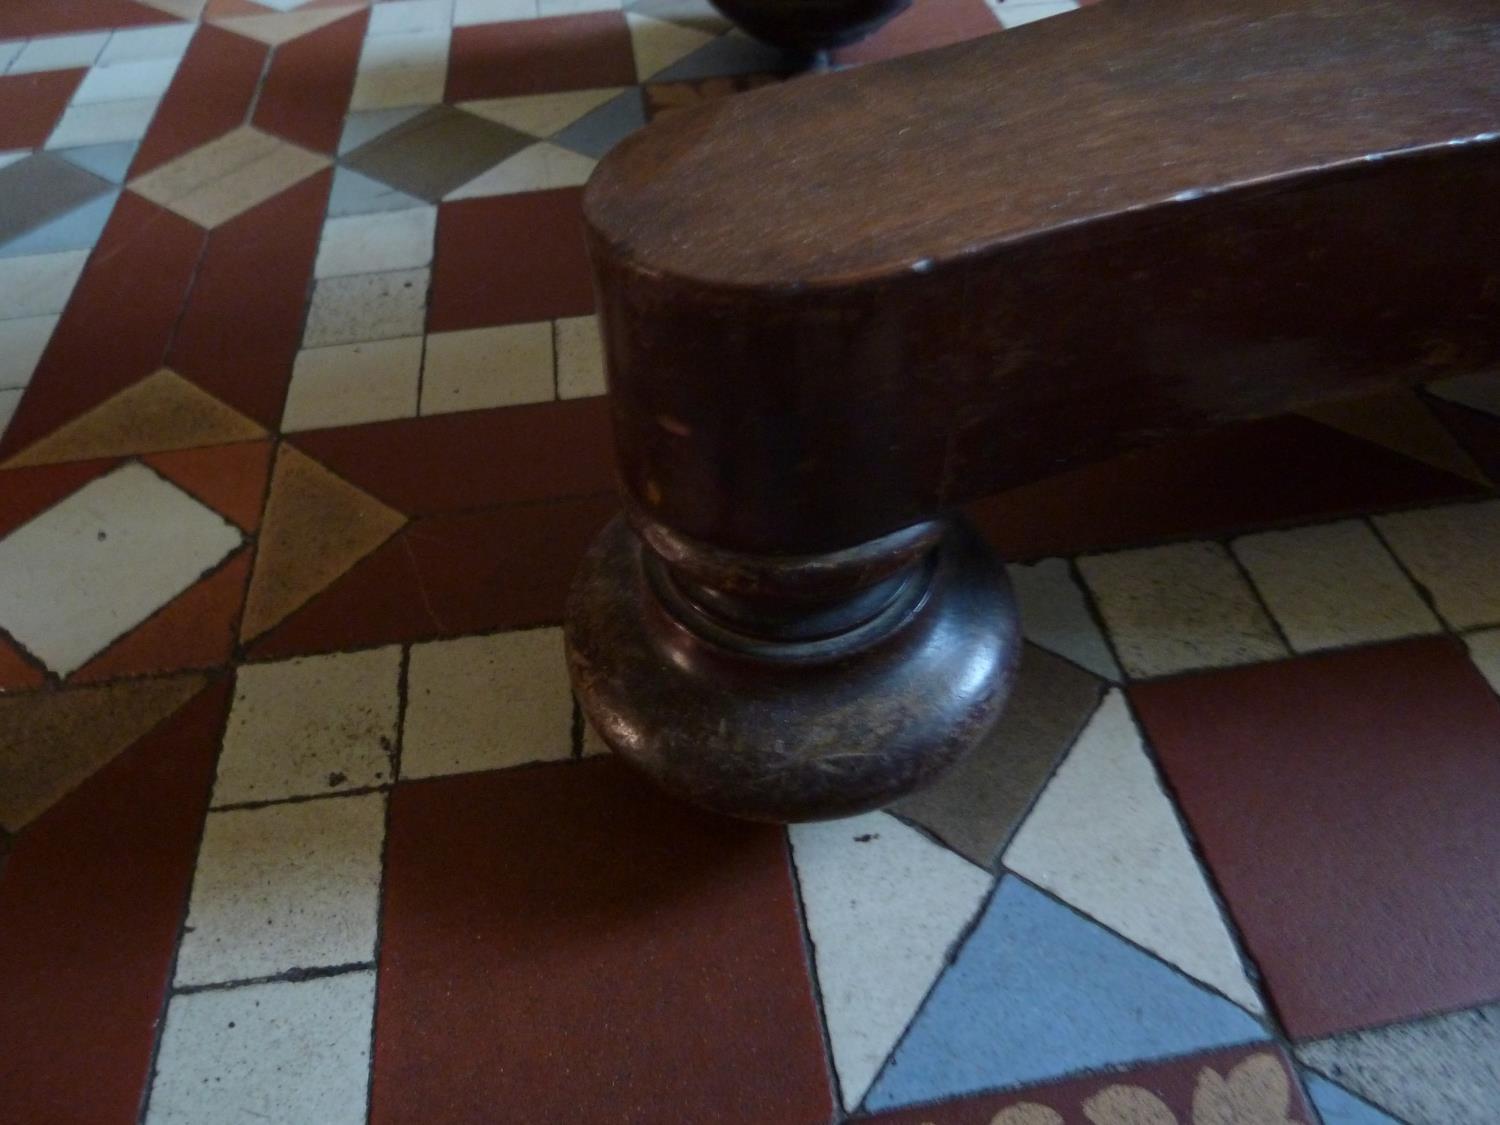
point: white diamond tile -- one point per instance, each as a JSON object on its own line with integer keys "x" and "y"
{"x": 132, "y": 44}
{"x": 59, "y": 52}
{"x": 102, "y": 123}
{"x": 21, "y": 345}
{"x": 39, "y": 284}
{"x": 141, "y": 78}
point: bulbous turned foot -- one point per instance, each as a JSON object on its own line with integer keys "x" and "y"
{"x": 810, "y": 26}
{"x": 797, "y": 690}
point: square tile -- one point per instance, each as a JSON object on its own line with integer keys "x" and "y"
{"x": 436, "y": 151}
{"x": 1176, "y": 608}
{"x": 367, "y": 306}
{"x": 483, "y": 703}
{"x": 308, "y": 727}
{"x": 291, "y": 886}
{"x": 486, "y": 367}
{"x": 40, "y": 284}
{"x": 1345, "y": 804}
{"x": 21, "y": 345}
{"x": 580, "y": 357}
{"x": 100, "y": 562}
{"x": 401, "y": 70}
{"x": 267, "y": 1052}
{"x": 1333, "y": 585}
{"x": 101, "y": 123}
{"x": 405, "y": 17}
{"x": 1452, "y": 552}
{"x": 538, "y": 56}
{"x": 385, "y": 240}
{"x": 576, "y": 891}
{"x": 40, "y": 188}
{"x": 347, "y": 384}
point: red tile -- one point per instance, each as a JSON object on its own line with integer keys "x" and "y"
{"x": 510, "y": 259}
{"x": 17, "y": 671}
{"x": 196, "y": 630}
{"x": 230, "y": 479}
{"x": 243, "y": 322}
{"x": 211, "y": 94}
{"x": 118, "y": 321}
{"x": 93, "y": 894}
{"x": 22, "y": 19}
{"x": 27, "y": 493}
{"x": 30, "y": 105}
{"x": 501, "y": 60}
{"x": 475, "y": 459}
{"x": 505, "y": 568}
{"x": 923, "y": 26}
{"x": 307, "y": 88}
{"x": 1278, "y": 471}
{"x": 566, "y": 944}
{"x": 1349, "y": 806}
{"x": 1173, "y": 1084}
{"x": 225, "y": 9}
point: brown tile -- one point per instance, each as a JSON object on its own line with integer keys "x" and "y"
{"x": 505, "y": 568}
{"x": 243, "y": 321}
{"x": 1260, "y": 474}
{"x": 539, "y": 238}
{"x": 161, "y": 412}
{"x": 590, "y": 932}
{"x": 26, "y": 493}
{"x": 58, "y": 17}
{"x": 476, "y": 459}
{"x": 1346, "y": 804}
{"x": 502, "y": 60}
{"x": 975, "y": 808}
{"x": 1237, "y": 1086}
{"x": 42, "y": 187}
{"x": 51, "y": 741}
{"x": 18, "y": 672}
{"x": 923, "y": 26}
{"x": 93, "y": 894}
{"x": 195, "y": 630}
{"x": 230, "y": 479}
{"x": 316, "y": 526}
{"x": 307, "y": 87}
{"x": 440, "y": 149}
{"x": 130, "y": 293}
{"x": 211, "y": 94}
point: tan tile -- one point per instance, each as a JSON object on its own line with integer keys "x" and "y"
{"x": 316, "y": 526}
{"x": 162, "y": 412}
{"x": 483, "y": 703}
{"x": 541, "y": 115}
{"x": 1175, "y": 608}
{"x": 348, "y": 384}
{"x": 369, "y": 306}
{"x": 310, "y": 726}
{"x": 1401, "y": 422}
{"x": 1452, "y": 551}
{"x": 51, "y": 741}
{"x": 479, "y": 368}
{"x": 658, "y": 43}
{"x": 226, "y": 177}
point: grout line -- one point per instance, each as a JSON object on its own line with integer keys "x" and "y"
{"x": 810, "y": 959}
{"x": 1259, "y": 596}
{"x": 301, "y": 798}
{"x": 286, "y": 976}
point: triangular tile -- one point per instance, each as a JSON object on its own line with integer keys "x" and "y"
{"x": 1337, "y": 1106}
{"x": 26, "y": 493}
{"x": 77, "y": 229}
{"x": 658, "y": 44}
{"x": 883, "y": 905}
{"x": 230, "y": 479}
{"x": 541, "y": 167}
{"x": 316, "y": 526}
{"x": 1400, "y": 422}
{"x": 1037, "y": 992}
{"x": 50, "y": 741}
{"x": 195, "y": 630}
{"x": 724, "y": 57}
{"x": 276, "y": 28}
{"x": 698, "y": 14}
{"x": 1104, "y": 838}
{"x": 17, "y": 673}
{"x": 1055, "y": 615}
{"x": 541, "y": 115}
{"x": 599, "y": 130}
{"x": 363, "y": 126}
{"x": 163, "y": 411}
{"x": 1479, "y": 391}
{"x": 354, "y": 193}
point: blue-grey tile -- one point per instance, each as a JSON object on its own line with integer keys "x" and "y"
{"x": 111, "y": 161}
{"x": 78, "y": 229}
{"x": 357, "y": 194}
{"x": 1336, "y": 1106}
{"x": 40, "y": 188}
{"x": 728, "y": 55}
{"x": 1038, "y": 992}
{"x": 366, "y": 125}
{"x": 599, "y": 130}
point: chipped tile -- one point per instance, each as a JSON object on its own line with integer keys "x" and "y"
{"x": 487, "y": 367}
{"x": 385, "y": 240}
{"x": 370, "y": 306}
{"x": 1452, "y": 552}
{"x": 348, "y": 384}
{"x": 1055, "y": 615}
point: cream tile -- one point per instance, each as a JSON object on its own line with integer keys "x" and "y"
{"x": 1333, "y": 585}
{"x": 1172, "y": 609}
{"x": 370, "y": 306}
{"x": 164, "y": 41}
{"x": 59, "y": 52}
{"x": 394, "y": 87}
{"x": 139, "y": 78}
{"x": 1484, "y": 648}
{"x": 103, "y": 123}
{"x": 469, "y": 12}
{"x": 94, "y": 566}
{"x": 21, "y": 345}
{"x": 483, "y": 703}
{"x": 348, "y": 384}
{"x": 1453, "y": 552}
{"x": 658, "y": 44}
{"x": 403, "y": 17}
{"x": 413, "y": 49}
{"x": 1055, "y": 615}
{"x": 580, "y": 358}
{"x": 540, "y": 167}
{"x": 310, "y": 726}
{"x": 9, "y": 49}
{"x": 39, "y": 284}
{"x": 206, "y": 165}
{"x": 486, "y": 367}
{"x": 385, "y": 240}
{"x": 282, "y": 887}
{"x": 280, "y": 1051}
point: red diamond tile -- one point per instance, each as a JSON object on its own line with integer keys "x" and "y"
{"x": 926, "y": 24}
{"x": 92, "y": 895}
{"x": 502, "y": 60}
{"x": 307, "y": 88}
{"x": 26, "y": 493}
{"x": 1349, "y": 806}
{"x": 30, "y": 105}
{"x": 22, "y": 19}
{"x": 510, "y": 259}
{"x": 566, "y": 944}
{"x": 505, "y": 568}
{"x": 230, "y": 479}
{"x": 17, "y": 673}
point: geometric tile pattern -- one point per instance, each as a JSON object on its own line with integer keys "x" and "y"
{"x": 294, "y": 310}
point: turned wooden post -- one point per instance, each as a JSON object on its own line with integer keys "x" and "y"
{"x": 835, "y": 309}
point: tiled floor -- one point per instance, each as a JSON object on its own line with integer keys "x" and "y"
{"x": 300, "y": 394}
